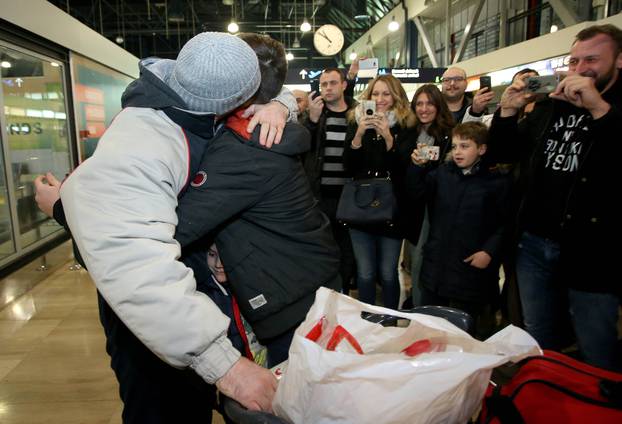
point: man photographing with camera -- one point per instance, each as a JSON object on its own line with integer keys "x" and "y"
{"x": 567, "y": 218}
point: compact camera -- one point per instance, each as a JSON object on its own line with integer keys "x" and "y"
{"x": 542, "y": 84}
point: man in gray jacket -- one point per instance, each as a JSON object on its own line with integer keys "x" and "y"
{"x": 120, "y": 206}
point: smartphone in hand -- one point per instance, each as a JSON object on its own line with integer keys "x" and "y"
{"x": 429, "y": 152}
{"x": 315, "y": 86}
{"x": 485, "y": 82}
{"x": 369, "y": 107}
{"x": 368, "y": 68}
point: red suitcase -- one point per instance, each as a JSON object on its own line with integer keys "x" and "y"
{"x": 555, "y": 388}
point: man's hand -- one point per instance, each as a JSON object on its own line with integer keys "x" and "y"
{"x": 47, "y": 192}
{"x": 514, "y": 97}
{"x": 481, "y": 100}
{"x": 315, "y": 107}
{"x": 581, "y": 92}
{"x": 249, "y": 384}
{"x": 479, "y": 260}
{"x": 271, "y": 117}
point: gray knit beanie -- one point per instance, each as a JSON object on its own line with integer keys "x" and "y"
{"x": 215, "y": 72}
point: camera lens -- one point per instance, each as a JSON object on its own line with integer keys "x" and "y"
{"x": 369, "y": 112}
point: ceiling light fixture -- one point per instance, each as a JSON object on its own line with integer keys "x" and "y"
{"x": 554, "y": 28}
{"x": 289, "y": 56}
{"x": 393, "y": 25}
{"x": 233, "y": 28}
{"x": 353, "y": 55}
{"x": 6, "y": 65}
{"x": 119, "y": 39}
{"x": 305, "y": 26}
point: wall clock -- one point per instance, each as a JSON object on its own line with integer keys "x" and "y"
{"x": 328, "y": 40}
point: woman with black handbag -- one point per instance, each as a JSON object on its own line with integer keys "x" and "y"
{"x": 381, "y": 122}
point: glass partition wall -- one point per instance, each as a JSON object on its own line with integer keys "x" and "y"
{"x": 35, "y": 140}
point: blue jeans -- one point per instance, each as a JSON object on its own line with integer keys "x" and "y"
{"x": 595, "y": 321}
{"x": 536, "y": 264}
{"x": 376, "y": 255}
{"x": 594, "y": 315}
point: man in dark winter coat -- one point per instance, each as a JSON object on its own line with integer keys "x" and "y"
{"x": 568, "y": 219}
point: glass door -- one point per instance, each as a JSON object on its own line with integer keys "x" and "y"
{"x": 35, "y": 140}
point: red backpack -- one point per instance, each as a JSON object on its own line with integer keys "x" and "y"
{"x": 554, "y": 388}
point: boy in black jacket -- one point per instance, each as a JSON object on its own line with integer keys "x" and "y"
{"x": 467, "y": 205}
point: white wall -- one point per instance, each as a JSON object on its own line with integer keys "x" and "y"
{"x": 543, "y": 47}
{"x": 47, "y": 21}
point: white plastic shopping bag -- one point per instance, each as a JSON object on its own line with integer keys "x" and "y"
{"x": 344, "y": 369}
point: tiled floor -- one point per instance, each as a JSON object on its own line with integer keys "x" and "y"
{"x": 53, "y": 364}
{"x": 53, "y": 367}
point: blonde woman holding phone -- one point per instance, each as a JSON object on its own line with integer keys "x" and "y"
{"x": 377, "y": 127}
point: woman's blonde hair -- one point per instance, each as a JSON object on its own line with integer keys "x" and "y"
{"x": 404, "y": 115}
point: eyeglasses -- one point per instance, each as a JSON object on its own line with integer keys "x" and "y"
{"x": 449, "y": 80}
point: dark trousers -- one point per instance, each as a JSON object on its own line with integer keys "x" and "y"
{"x": 347, "y": 266}
{"x": 482, "y": 313}
{"x": 278, "y": 347}
{"x": 152, "y": 391}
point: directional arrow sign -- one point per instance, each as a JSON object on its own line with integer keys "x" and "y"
{"x": 303, "y": 73}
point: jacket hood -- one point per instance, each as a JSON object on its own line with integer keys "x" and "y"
{"x": 295, "y": 141}
{"x": 150, "y": 89}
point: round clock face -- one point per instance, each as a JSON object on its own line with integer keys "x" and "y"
{"x": 328, "y": 40}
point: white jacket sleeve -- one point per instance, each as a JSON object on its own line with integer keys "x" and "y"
{"x": 485, "y": 119}
{"x": 120, "y": 205}
{"x": 287, "y": 99}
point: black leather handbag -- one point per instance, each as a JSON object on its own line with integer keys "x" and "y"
{"x": 367, "y": 201}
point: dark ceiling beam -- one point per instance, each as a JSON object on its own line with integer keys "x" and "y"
{"x": 129, "y": 9}
{"x": 351, "y": 28}
{"x": 377, "y": 9}
{"x": 146, "y": 29}
{"x": 188, "y": 30}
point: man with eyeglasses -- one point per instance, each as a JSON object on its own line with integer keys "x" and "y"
{"x": 454, "y": 86}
